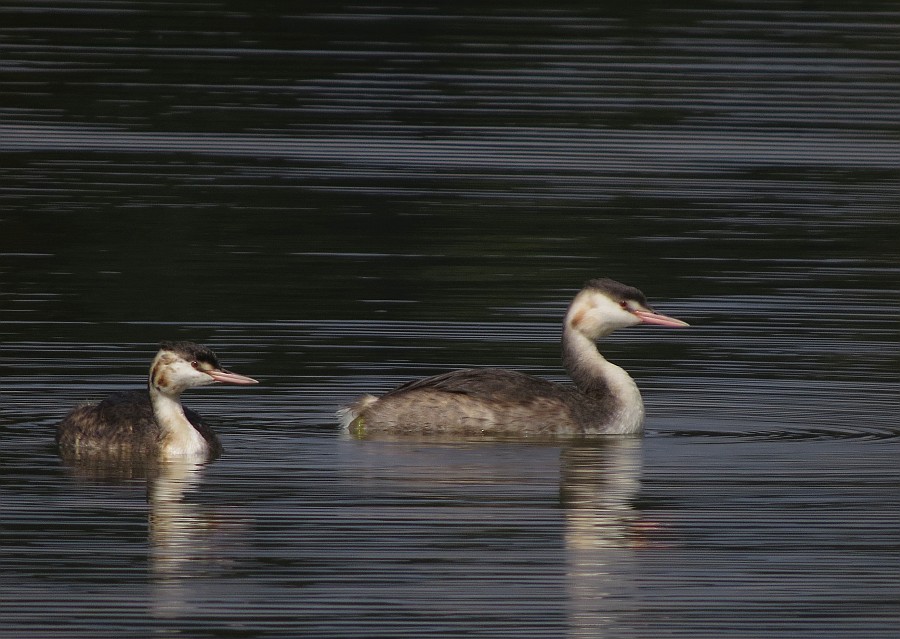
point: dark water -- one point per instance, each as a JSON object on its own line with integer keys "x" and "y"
{"x": 337, "y": 198}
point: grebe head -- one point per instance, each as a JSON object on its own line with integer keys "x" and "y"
{"x": 182, "y": 365}
{"x": 604, "y": 305}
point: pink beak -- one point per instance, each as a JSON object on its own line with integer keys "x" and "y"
{"x": 227, "y": 377}
{"x": 649, "y": 317}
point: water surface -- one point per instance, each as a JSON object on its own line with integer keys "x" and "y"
{"x": 341, "y": 198}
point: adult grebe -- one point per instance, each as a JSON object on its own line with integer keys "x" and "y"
{"x": 151, "y": 423}
{"x": 605, "y": 400}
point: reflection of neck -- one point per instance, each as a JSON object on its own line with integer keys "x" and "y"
{"x": 180, "y": 438}
{"x": 604, "y": 530}
{"x": 603, "y": 382}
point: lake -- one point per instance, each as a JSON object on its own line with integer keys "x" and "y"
{"x": 338, "y": 198}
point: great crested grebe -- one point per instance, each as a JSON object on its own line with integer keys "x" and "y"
{"x": 604, "y": 400}
{"x": 152, "y": 422}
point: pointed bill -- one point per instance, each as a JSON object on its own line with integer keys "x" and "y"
{"x": 227, "y": 377}
{"x": 649, "y": 317}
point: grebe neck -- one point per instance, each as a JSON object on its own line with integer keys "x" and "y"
{"x": 179, "y": 437}
{"x": 603, "y": 382}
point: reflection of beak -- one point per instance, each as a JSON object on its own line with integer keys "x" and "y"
{"x": 649, "y": 317}
{"x": 227, "y": 377}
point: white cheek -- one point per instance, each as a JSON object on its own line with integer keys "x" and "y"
{"x": 186, "y": 375}
{"x": 608, "y": 318}
{"x": 629, "y": 319}
{"x": 200, "y": 378}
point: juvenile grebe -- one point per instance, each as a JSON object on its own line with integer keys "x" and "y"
{"x": 604, "y": 400}
{"x": 152, "y": 422}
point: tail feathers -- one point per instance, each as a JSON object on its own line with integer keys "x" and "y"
{"x": 348, "y": 414}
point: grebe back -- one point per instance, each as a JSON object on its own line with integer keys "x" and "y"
{"x": 152, "y": 422}
{"x": 604, "y": 399}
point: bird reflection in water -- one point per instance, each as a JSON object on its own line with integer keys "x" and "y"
{"x": 182, "y": 537}
{"x": 185, "y": 540}
{"x": 599, "y": 483}
{"x": 601, "y": 530}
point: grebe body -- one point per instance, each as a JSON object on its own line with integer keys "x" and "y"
{"x": 151, "y": 423}
{"x": 603, "y": 400}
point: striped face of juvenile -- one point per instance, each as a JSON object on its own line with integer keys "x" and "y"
{"x": 172, "y": 373}
{"x": 182, "y": 365}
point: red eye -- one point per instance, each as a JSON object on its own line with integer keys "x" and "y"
{"x": 624, "y": 305}
{"x": 195, "y": 364}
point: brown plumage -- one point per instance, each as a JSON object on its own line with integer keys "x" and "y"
{"x": 123, "y": 424}
{"x": 603, "y": 400}
{"x": 150, "y": 423}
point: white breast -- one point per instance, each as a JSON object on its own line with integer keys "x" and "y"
{"x": 180, "y": 438}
